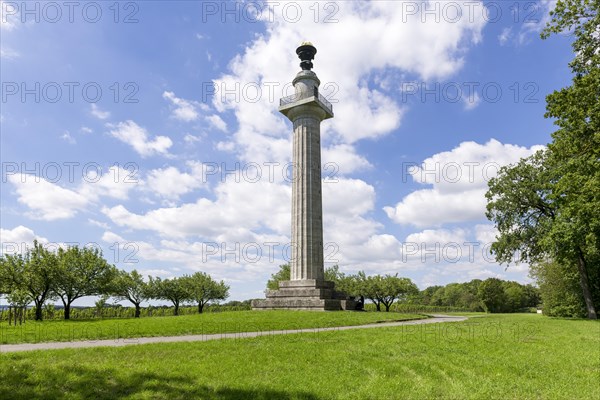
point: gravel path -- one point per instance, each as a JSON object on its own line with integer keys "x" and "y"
{"x": 9, "y": 348}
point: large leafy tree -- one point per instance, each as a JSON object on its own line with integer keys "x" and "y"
{"x": 81, "y": 271}
{"x": 575, "y": 149}
{"x": 392, "y": 287}
{"x": 34, "y": 272}
{"x": 534, "y": 222}
{"x": 384, "y": 289}
{"x": 203, "y": 288}
{"x": 559, "y": 216}
{"x": 366, "y": 286}
{"x": 130, "y": 286}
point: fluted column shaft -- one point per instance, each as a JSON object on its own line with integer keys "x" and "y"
{"x": 306, "y": 109}
{"x": 307, "y": 211}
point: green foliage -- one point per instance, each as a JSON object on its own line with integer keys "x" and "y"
{"x": 426, "y": 296}
{"x": 203, "y": 289}
{"x": 409, "y": 308}
{"x": 508, "y": 296}
{"x": 575, "y": 149}
{"x": 462, "y": 295}
{"x": 18, "y": 300}
{"x": 386, "y": 290}
{"x": 130, "y": 286}
{"x": 382, "y": 289}
{"x": 342, "y": 282}
{"x": 334, "y": 274}
{"x": 520, "y": 205}
{"x": 80, "y": 272}
{"x": 537, "y": 220}
{"x": 346, "y": 284}
{"x": 391, "y": 288}
{"x": 492, "y": 295}
{"x": 5, "y": 282}
{"x": 548, "y": 206}
{"x": 174, "y": 290}
{"x": 72, "y": 273}
{"x": 284, "y": 274}
{"x": 101, "y": 303}
{"x": 559, "y": 289}
{"x": 582, "y": 19}
{"x": 34, "y": 272}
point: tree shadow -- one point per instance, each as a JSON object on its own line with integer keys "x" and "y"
{"x": 21, "y": 379}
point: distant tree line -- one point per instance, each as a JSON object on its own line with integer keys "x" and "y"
{"x": 40, "y": 275}
{"x": 491, "y": 295}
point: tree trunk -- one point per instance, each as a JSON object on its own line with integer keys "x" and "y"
{"x": 67, "y": 311}
{"x": 176, "y": 310}
{"x": 38, "y": 311}
{"x": 585, "y": 286}
{"x": 137, "y": 311}
{"x": 200, "y": 307}
{"x": 387, "y": 307}
{"x": 378, "y": 305}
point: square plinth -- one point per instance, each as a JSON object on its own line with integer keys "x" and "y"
{"x": 307, "y": 294}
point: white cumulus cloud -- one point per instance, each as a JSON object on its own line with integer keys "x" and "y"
{"x": 47, "y": 201}
{"x": 98, "y": 113}
{"x": 137, "y": 137}
{"x": 383, "y": 30}
{"x": 18, "y": 239}
{"x": 459, "y": 181}
{"x": 183, "y": 110}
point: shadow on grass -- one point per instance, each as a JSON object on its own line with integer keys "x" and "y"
{"x": 27, "y": 381}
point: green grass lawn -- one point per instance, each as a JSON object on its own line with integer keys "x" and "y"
{"x": 223, "y": 322}
{"x": 489, "y": 357}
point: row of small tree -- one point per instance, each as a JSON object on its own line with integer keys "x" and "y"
{"x": 381, "y": 290}
{"x": 40, "y": 275}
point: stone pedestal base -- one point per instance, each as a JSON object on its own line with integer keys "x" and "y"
{"x": 307, "y": 294}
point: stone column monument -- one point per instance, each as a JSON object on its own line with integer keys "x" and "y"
{"x": 307, "y": 288}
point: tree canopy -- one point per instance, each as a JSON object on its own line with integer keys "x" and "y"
{"x": 34, "y": 272}
{"x": 80, "y": 272}
{"x": 203, "y": 289}
{"x": 547, "y": 207}
{"x": 130, "y": 286}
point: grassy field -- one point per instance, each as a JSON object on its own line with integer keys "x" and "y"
{"x": 487, "y": 357}
{"x": 224, "y": 322}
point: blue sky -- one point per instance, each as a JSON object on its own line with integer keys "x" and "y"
{"x": 116, "y": 130}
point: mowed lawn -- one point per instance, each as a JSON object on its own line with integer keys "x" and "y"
{"x": 208, "y": 323}
{"x": 486, "y": 357}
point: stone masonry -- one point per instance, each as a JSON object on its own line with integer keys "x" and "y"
{"x": 307, "y": 288}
